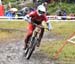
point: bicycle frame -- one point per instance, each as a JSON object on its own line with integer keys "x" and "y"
{"x": 33, "y": 41}
{"x": 36, "y": 32}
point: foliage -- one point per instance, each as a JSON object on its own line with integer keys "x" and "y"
{"x": 13, "y": 1}
{"x": 70, "y": 8}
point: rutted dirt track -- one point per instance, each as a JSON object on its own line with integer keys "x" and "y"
{"x": 11, "y": 52}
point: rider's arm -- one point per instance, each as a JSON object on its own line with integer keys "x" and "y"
{"x": 27, "y": 18}
{"x": 48, "y": 22}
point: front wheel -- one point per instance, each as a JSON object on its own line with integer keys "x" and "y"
{"x": 29, "y": 52}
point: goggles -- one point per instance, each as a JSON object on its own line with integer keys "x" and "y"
{"x": 41, "y": 12}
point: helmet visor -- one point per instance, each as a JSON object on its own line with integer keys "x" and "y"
{"x": 41, "y": 12}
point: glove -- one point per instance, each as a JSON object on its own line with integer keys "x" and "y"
{"x": 27, "y": 18}
{"x": 49, "y": 25}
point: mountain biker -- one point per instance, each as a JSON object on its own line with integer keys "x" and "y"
{"x": 37, "y": 17}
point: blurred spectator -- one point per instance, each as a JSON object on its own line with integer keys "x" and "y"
{"x": 72, "y": 16}
{"x": 34, "y": 1}
{"x": 1, "y": 10}
{"x": 9, "y": 5}
{"x": 70, "y": 1}
{"x": 31, "y": 9}
{"x": 46, "y": 6}
{"x": 11, "y": 13}
{"x": 48, "y": 1}
{"x": 25, "y": 11}
{"x": 37, "y": 3}
{"x": 0, "y": 2}
{"x": 62, "y": 13}
{"x": 59, "y": 12}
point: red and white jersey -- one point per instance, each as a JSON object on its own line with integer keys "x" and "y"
{"x": 36, "y": 18}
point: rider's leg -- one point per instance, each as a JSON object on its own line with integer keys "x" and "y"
{"x": 28, "y": 35}
{"x": 41, "y": 35}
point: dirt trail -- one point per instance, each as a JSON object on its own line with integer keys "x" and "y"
{"x": 12, "y": 53}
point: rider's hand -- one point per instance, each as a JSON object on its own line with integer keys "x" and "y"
{"x": 27, "y": 18}
{"x": 49, "y": 25}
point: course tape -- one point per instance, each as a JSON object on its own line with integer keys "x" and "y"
{"x": 51, "y": 18}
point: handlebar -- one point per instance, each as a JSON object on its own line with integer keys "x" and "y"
{"x": 39, "y": 26}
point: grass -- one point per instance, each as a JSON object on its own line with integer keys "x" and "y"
{"x": 63, "y": 29}
{"x": 13, "y": 24}
{"x": 5, "y": 35}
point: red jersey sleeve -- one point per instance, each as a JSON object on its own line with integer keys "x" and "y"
{"x": 45, "y": 18}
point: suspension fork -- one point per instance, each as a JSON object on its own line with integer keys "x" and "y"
{"x": 41, "y": 33}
